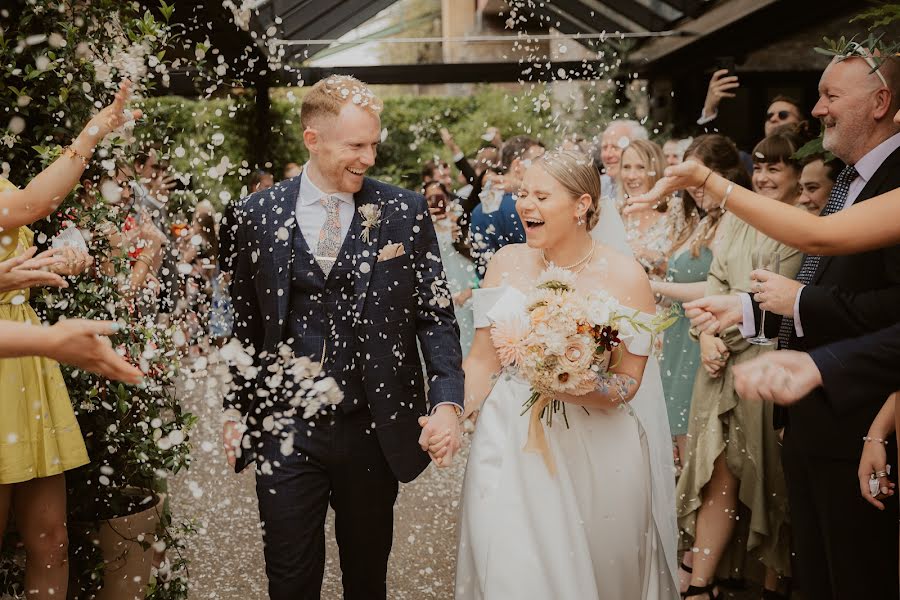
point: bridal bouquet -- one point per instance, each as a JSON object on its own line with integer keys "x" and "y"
{"x": 564, "y": 344}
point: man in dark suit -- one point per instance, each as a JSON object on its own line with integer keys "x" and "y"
{"x": 838, "y": 537}
{"x": 345, "y": 270}
{"x": 850, "y": 372}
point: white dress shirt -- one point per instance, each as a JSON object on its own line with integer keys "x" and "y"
{"x": 311, "y": 213}
{"x": 865, "y": 167}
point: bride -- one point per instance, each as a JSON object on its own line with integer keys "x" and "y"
{"x": 603, "y": 525}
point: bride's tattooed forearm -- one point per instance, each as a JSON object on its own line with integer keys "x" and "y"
{"x": 616, "y": 387}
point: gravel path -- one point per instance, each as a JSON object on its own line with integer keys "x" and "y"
{"x": 226, "y": 555}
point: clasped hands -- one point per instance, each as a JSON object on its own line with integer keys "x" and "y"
{"x": 774, "y": 293}
{"x": 440, "y": 435}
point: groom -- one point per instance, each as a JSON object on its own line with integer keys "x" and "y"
{"x": 345, "y": 270}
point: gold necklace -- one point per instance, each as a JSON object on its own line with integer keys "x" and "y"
{"x": 575, "y": 265}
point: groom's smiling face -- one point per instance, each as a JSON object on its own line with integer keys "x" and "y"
{"x": 344, "y": 147}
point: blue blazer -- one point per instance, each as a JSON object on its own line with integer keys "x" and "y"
{"x": 491, "y": 231}
{"x": 399, "y": 302}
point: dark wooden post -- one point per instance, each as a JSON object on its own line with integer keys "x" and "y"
{"x": 263, "y": 128}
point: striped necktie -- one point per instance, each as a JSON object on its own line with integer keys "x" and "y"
{"x": 810, "y": 265}
{"x": 330, "y": 234}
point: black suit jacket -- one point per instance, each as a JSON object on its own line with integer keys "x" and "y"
{"x": 398, "y": 302}
{"x": 856, "y": 370}
{"x": 849, "y": 296}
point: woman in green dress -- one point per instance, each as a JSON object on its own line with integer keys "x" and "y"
{"x": 686, "y": 278}
{"x": 731, "y": 497}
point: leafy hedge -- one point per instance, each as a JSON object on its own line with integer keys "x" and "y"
{"x": 214, "y": 140}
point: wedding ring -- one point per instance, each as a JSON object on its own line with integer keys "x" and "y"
{"x": 881, "y": 474}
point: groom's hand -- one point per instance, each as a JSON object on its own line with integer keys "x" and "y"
{"x": 231, "y": 440}
{"x": 440, "y": 435}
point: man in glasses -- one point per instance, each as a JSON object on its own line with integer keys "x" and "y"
{"x": 783, "y": 110}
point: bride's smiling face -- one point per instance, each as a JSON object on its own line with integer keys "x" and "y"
{"x": 547, "y": 210}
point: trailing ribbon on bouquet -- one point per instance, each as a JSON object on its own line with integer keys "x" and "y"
{"x": 537, "y": 439}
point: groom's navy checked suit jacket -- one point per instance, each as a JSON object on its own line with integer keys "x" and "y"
{"x": 397, "y": 302}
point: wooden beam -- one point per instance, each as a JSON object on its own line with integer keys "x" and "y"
{"x": 452, "y": 73}
{"x": 715, "y": 19}
{"x": 630, "y": 15}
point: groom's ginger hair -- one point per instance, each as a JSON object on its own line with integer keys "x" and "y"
{"x": 328, "y": 96}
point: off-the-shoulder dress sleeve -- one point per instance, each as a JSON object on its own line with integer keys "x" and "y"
{"x": 638, "y": 341}
{"x": 497, "y": 303}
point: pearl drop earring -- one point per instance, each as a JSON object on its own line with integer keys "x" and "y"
{"x": 581, "y": 220}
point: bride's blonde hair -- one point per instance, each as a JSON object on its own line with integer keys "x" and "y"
{"x": 578, "y": 175}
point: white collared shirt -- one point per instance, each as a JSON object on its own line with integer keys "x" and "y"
{"x": 311, "y": 214}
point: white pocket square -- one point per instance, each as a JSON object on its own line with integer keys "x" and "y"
{"x": 389, "y": 251}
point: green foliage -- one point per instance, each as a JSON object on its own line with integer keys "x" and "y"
{"x": 872, "y": 47}
{"x": 812, "y": 148}
{"x": 879, "y": 16}
{"x": 60, "y": 60}
{"x": 199, "y": 135}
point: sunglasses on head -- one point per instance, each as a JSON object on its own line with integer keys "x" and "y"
{"x": 781, "y": 114}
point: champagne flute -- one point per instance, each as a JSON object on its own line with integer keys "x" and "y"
{"x": 767, "y": 260}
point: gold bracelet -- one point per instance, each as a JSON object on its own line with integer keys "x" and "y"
{"x": 145, "y": 260}
{"x": 71, "y": 152}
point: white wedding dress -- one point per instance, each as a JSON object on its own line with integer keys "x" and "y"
{"x": 602, "y": 528}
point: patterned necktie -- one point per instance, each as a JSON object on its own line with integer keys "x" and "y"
{"x": 810, "y": 265}
{"x": 330, "y": 235}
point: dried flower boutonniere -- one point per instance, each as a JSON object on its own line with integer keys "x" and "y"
{"x": 371, "y": 214}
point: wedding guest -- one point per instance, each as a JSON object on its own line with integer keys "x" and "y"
{"x": 816, "y": 181}
{"x": 41, "y": 436}
{"x": 259, "y": 179}
{"x": 674, "y": 150}
{"x": 437, "y": 170}
{"x": 28, "y": 271}
{"x": 832, "y": 299}
{"x": 76, "y": 342}
{"x": 686, "y": 278}
{"x": 487, "y": 160}
{"x": 732, "y": 500}
{"x": 199, "y": 252}
{"x": 291, "y": 169}
{"x": 495, "y": 222}
{"x": 134, "y": 236}
{"x": 782, "y": 110}
{"x": 616, "y": 137}
{"x": 573, "y": 142}
{"x": 861, "y": 227}
{"x": 445, "y": 214}
{"x": 651, "y": 234}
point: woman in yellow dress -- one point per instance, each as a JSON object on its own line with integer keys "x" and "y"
{"x": 39, "y": 435}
